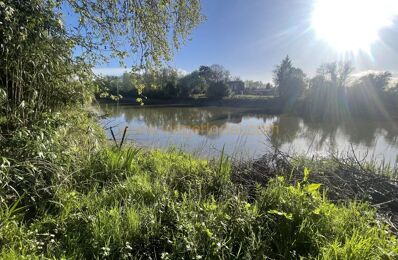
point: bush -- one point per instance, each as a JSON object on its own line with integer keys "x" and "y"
{"x": 217, "y": 90}
{"x": 35, "y": 161}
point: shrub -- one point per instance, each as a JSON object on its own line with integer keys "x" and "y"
{"x": 217, "y": 90}
{"x": 37, "y": 160}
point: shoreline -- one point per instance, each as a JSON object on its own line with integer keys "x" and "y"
{"x": 267, "y": 105}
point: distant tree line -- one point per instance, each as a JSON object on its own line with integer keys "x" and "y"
{"x": 334, "y": 92}
{"x": 252, "y": 84}
{"x": 210, "y": 81}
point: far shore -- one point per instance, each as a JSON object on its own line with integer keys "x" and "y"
{"x": 264, "y": 103}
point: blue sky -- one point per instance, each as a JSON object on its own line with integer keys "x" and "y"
{"x": 249, "y": 37}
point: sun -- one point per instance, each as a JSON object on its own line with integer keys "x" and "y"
{"x": 352, "y": 25}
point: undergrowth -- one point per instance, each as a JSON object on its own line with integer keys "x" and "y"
{"x": 64, "y": 195}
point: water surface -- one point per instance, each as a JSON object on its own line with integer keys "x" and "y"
{"x": 248, "y": 134}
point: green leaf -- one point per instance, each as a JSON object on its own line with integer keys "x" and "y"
{"x": 281, "y": 213}
{"x": 313, "y": 187}
{"x": 306, "y": 174}
{"x": 208, "y": 232}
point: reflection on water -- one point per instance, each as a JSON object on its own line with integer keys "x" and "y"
{"x": 249, "y": 134}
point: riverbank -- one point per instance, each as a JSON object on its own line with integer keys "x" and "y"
{"x": 275, "y": 106}
{"x": 70, "y": 194}
{"x": 264, "y": 103}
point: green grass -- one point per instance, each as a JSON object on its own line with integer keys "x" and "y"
{"x": 251, "y": 97}
{"x": 134, "y": 203}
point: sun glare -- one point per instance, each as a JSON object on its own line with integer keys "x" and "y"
{"x": 352, "y": 25}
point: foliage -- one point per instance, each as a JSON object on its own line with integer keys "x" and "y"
{"x": 336, "y": 73}
{"x": 217, "y": 90}
{"x": 148, "y": 31}
{"x": 290, "y": 81}
{"x": 255, "y": 84}
{"x": 65, "y": 195}
{"x": 37, "y": 71}
{"x": 376, "y": 81}
{"x": 35, "y": 160}
{"x": 331, "y": 96}
{"x": 251, "y": 97}
{"x": 162, "y": 83}
{"x": 214, "y": 73}
{"x": 131, "y": 203}
{"x": 191, "y": 84}
{"x": 369, "y": 95}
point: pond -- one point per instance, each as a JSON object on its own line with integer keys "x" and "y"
{"x": 248, "y": 134}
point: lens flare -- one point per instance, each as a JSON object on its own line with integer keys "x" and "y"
{"x": 352, "y": 25}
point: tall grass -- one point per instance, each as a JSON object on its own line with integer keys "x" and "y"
{"x": 132, "y": 203}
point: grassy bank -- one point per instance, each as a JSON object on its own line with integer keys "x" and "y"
{"x": 66, "y": 193}
{"x": 262, "y": 103}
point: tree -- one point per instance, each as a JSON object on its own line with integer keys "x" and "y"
{"x": 127, "y": 83}
{"x": 376, "y": 81}
{"x": 290, "y": 81}
{"x": 151, "y": 29}
{"x": 171, "y": 89}
{"x": 319, "y": 82}
{"x": 219, "y": 73}
{"x": 254, "y": 84}
{"x": 110, "y": 86}
{"x": 214, "y": 73}
{"x": 192, "y": 83}
{"x": 205, "y": 72}
{"x": 336, "y": 73}
{"x": 281, "y": 75}
{"x": 327, "y": 96}
{"x": 38, "y": 71}
{"x": 344, "y": 71}
{"x": 218, "y": 90}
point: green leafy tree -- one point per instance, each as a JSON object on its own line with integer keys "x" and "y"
{"x": 214, "y": 73}
{"x": 192, "y": 83}
{"x": 376, "y": 81}
{"x": 127, "y": 83}
{"x": 171, "y": 89}
{"x": 336, "y": 73}
{"x": 327, "y": 97}
{"x": 218, "y": 90}
{"x": 150, "y": 29}
{"x": 110, "y": 86}
{"x": 38, "y": 71}
{"x": 290, "y": 81}
{"x": 254, "y": 84}
{"x": 281, "y": 75}
{"x": 205, "y": 72}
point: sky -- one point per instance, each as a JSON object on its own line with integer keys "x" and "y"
{"x": 250, "y": 37}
